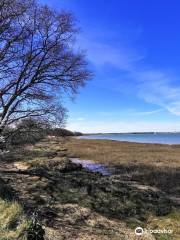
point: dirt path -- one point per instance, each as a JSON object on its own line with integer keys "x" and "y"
{"x": 12, "y": 166}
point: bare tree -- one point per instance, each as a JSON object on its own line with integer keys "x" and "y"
{"x": 38, "y": 62}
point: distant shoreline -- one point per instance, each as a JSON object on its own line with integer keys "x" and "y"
{"x": 123, "y": 141}
{"x": 84, "y": 134}
{"x": 170, "y": 138}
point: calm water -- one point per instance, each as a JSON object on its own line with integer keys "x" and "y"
{"x": 165, "y": 138}
{"x": 92, "y": 166}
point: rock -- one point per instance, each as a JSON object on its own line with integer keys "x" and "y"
{"x": 34, "y": 178}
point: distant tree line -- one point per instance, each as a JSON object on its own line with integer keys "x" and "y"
{"x": 29, "y": 131}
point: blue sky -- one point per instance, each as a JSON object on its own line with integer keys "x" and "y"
{"x": 133, "y": 48}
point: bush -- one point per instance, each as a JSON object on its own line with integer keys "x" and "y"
{"x": 26, "y": 131}
{"x": 61, "y": 132}
{"x": 35, "y": 231}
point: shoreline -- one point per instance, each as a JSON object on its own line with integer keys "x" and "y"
{"x": 123, "y": 141}
{"x": 139, "y": 139}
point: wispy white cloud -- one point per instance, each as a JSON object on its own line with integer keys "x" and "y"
{"x": 114, "y": 52}
{"x": 151, "y": 85}
{"x": 105, "y": 54}
{"x": 78, "y": 119}
{"x": 132, "y": 112}
{"x": 144, "y": 113}
{"x": 157, "y": 87}
{"x": 81, "y": 119}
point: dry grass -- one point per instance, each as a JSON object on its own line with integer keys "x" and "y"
{"x": 12, "y": 221}
{"x": 91, "y": 225}
{"x": 114, "y": 152}
{"x": 171, "y": 221}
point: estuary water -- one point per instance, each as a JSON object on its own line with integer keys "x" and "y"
{"x": 162, "y": 138}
